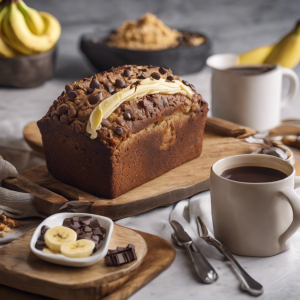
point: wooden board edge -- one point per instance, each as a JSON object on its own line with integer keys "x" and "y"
{"x": 129, "y": 284}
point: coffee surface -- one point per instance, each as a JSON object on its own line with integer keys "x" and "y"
{"x": 250, "y": 70}
{"x": 253, "y": 174}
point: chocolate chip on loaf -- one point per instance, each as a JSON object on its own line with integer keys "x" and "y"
{"x": 90, "y": 91}
{"x": 155, "y": 75}
{"x": 127, "y": 72}
{"x": 63, "y": 108}
{"x": 162, "y": 70}
{"x": 127, "y": 115}
{"x": 120, "y": 83}
{"x": 105, "y": 123}
{"x": 119, "y": 130}
{"x": 95, "y": 84}
{"x": 68, "y": 88}
{"x": 93, "y": 99}
{"x": 72, "y": 95}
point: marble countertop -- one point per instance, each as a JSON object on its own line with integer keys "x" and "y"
{"x": 234, "y": 26}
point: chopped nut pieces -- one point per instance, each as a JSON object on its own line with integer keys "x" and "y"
{"x": 150, "y": 33}
{"x": 6, "y": 224}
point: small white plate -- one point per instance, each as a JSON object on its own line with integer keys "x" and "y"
{"x": 56, "y": 220}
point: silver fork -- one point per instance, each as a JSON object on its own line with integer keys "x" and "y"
{"x": 247, "y": 282}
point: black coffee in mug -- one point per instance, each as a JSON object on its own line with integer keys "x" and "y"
{"x": 253, "y": 174}
{"x": 250, "y": 70}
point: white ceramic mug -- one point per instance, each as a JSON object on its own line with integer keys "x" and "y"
{"x": 254, "y": 219}
{"x": 250, "y": 100}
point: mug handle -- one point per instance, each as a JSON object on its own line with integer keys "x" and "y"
{"x": 294, "y": 200}
{"x": 294, "y": 87}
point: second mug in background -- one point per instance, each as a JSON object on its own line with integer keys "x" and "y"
{"x": 249, "y": 95}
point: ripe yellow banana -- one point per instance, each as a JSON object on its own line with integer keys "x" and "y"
{"x": 33, "y": 19}
{"x": 77, "y": 249}
{"x": 287, "y": 51}
{"x": 5, "y": 49}
{"x": 57, "y": 236}
{"x": 256, "y": 56}
{"x": 9, "y": 37}
{"x": 29, "y": 40}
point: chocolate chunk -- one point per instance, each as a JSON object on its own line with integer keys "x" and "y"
{"x": 63, "y": 108}
{"x": 97, "y": 231}
{"x": 76, "y": 229}
{"x": 86, "y": 222}
{"x": 105, "y": 123}
{"x": 87, "y": 229}
{"x": 155, "y": 75}
{"x": 120, "y": 83}
{"x": 68, "y": 88}
{"x": 44, "y": 229}
{"x": 111, "y": 89}
{"x": 120, "y": 256}
{"x": 93, "y": 99}
{"x": 95, "y": 84}
{"x": 67, "y": 222}
{"x": 72, "y": 95}
{"x": 96, "y": 239}
{"x": 127, "y": 115}
{"x": 40, "y": 245}
{"x": 64, "y": 119}
{"x": 90, "y": 91}
{"x": 162, "y": 70}
{"x": 127, "y": 73}
{"x": 94, "y": 224}
{"x": 41, "y": 237}
{"x": 120, "y": 121}
{"x": 141, "y": 77}
{"x": 72, "y": 112}
{"x": 76, "y": 224}
{"x": 170, "y": 78}
{"x": 119, "y": 130}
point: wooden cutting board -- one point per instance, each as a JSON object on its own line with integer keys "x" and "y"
{"x": 22, "y": 270}
{"x": 177, "y": 184}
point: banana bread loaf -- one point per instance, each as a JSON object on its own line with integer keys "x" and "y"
{"x": 121, "y": 128}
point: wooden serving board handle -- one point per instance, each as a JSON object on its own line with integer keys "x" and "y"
{"x": 227, "y": 128}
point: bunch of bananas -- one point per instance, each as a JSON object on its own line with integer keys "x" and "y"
{"x": 25, "y": 31}
{"x": 285, "y": 53}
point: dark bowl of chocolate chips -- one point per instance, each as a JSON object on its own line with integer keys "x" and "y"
{"x": 27, "y": 71}
{"x": 183, "y": 59}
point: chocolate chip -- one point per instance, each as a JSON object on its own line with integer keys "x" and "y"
{"x": 64, "y": 119}
{"x": 170, "y": 78}
{"x": 105, "y": 123}
{"x": 162, "y": 70}
{"x": 55, "y": 118}
{"x": 120, "y": 121}
{"x": 68, "y": 88}
{"x": 111, "y": 89}
{"x": 120, "y": 83}
{"x": 127, "y": 73}
{"x": 77, "y": 128}
{"x": 72, "y": 95}
{"x": 63, "y": 108}
{"x": 95, "y": 84}
{"x": 127, "y": 115}
{"x": 44, "y": 229}
{"x": 90, "y": 91}
{"x": 119, "y": 130}
{"x": 141, "y": 77}
{"x": 155, "y": 75}
{"x": 93, "y": 99}
{"x": 72, "y": 112}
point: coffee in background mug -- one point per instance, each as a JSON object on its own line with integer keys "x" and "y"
{"x": 249, "y": 95}
{"x": 255, "y": 209}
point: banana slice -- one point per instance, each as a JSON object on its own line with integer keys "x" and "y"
{"x": 78, "y": 249}
{"x": 57, "y": 236}
{"x": 48, "y": 251}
